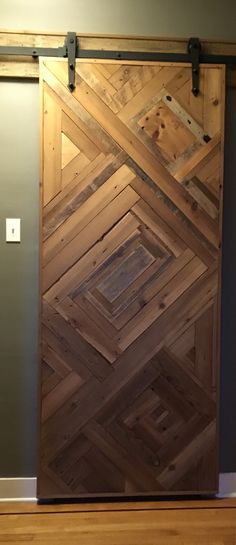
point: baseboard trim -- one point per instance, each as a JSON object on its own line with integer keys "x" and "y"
{"x": 227, "y": 486}
{"x": 18, "y": 489}
{"x": 24, "y": 489}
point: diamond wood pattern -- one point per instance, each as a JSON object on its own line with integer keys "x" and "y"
{"x": 132, "y": 185}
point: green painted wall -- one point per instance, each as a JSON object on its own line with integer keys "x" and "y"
{"x": 19, "y": 121}
{"x": 19, "y": 198}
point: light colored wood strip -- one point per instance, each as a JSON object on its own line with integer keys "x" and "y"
{"x": 213, "y": 101}
{"x": 93, "y": 259}
{"x": 202, "y": 199}
{"x": 88, "y": 327}
{"x": 68, "y": 152}
{"x": 71, "y": 171}
{"x": 140, "y": 154}
{"x": 80, "y": 244}
{"x": 75, "y": 181}
{"x": 159, "y": 227}
{"x": 107, "y": 69}
{"x": 19, "y": 68}
{"x": 52, "y": 147}
{"x": 152, "y": 289}
{"x": 101, "y": 523}
{"x": 160, "y": 303}
{"x": 86, "y": 213}
{"x": 122, "y": 75}
{"x": 174, "y": 222}
{"x": 148, "y": 92}
{"x": 79, "y": 138}
{"x": 97, "y": 82}
{"x": 48, "y": 38}
{"x": 76, "y": 194}
{"x": 198, "y": 160}
{"x": 222, "y": 505}
{"x": 77, "y": 113}
{"x": 183, "y": 115}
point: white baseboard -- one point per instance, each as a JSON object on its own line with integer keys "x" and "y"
{"x": 18, "y": 489}
{"x": 227, "y": 487}
{"x": 24, "y": 489}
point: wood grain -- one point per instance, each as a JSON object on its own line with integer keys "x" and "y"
{"x": 19, "y": 67}
{"x": 120, "y": 524}
{"x": 130, "y": 283}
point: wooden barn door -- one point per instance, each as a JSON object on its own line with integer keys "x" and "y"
{"x": 131, "y": 230}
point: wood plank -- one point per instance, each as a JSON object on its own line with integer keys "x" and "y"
{"x": 29, "y": 507}
{"x": 198, "y": 160}
{"x": 78, "y": 137}
{"x": 204, "y": 347}
{"x": 84, "y": 184}
{"x": 160, "y": 302}
{"x": 198, "y": 446}
{"x": 129, "y": 366}
{"x": 213, "y": 101}
{"x": 89, "y": 328}
{"x": 92, "y": 259}
{"x": 174, "y": 221}
{"x": 138, "y": 525}
{"x": 150, "y": 90}
{"x": 78, "y": 114}
{"x": 52, "y": 143}
{"x": 101, "y": 223}
{"x": 130, "y": 275}
{"x": 60, "y": 394}
{"x": 78, "y": 220}
{"x": 18, "y": 67}
{"x": 107, "y": 444}
{"x": 47, "y": 38}
{"x": 159, "y": 227}
{"x": 68, "y": 152}
{"x": 139, "y": 153}
{"x": 150, "y": 290}
{"x": 70, "y": 172}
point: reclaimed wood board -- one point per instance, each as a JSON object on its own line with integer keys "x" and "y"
{"x": 132, "y": 176}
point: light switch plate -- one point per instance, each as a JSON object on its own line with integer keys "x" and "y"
{"x": 13, "y": 230}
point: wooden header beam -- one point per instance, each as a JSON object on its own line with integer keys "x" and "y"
{"x": 22, "y": 67}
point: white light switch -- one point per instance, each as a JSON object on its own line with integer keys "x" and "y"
{"x": 13, "y": 229}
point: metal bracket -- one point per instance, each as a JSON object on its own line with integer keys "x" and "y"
{"x": 194, "y": 50}
{"x": 71, "y": 49}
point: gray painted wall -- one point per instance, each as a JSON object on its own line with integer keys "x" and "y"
{"x": 19, "y": 197}
{"x": 204, "y": 18}
{"x": 19, "y": 109}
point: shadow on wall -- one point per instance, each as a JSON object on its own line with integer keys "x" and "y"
{"x": 228, "y": 367}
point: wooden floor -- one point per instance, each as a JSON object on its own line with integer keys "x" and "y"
{"x": 163, "y": 523}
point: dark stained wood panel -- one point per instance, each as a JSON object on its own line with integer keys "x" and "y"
{"x": 131, "y": 235}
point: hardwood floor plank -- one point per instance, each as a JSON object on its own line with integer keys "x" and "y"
{"x": 174, "y": 525}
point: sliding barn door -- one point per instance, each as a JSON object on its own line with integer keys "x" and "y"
{"x": 131, "y": 230}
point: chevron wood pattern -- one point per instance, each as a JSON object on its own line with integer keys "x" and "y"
{"x": 131, "y": 234}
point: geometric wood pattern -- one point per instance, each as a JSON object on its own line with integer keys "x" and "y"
{"x": 131, "y": 231}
